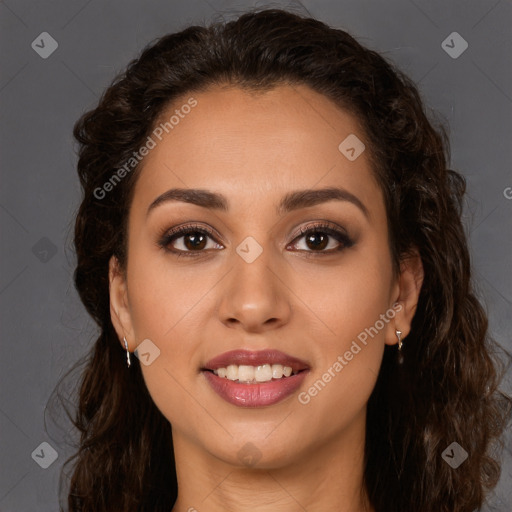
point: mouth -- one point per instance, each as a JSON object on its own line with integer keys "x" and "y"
{"x": 255, "y": 379}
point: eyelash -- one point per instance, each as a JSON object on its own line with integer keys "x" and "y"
{"x": 322, "y": 228}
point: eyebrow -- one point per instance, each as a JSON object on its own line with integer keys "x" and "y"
{"x": 290, "y": 202}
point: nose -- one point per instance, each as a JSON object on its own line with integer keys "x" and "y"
{"x": 254, "y": 296}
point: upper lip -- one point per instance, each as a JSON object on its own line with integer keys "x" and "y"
{"x": 255, "y": 358}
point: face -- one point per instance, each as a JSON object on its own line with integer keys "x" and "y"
{"x": 270, "y": 266}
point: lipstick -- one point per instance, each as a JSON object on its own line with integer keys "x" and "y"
{"x": 281, "y": 374}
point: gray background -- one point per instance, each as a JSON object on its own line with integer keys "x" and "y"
{"x": 44, "y": 328}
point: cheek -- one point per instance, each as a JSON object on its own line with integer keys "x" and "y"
{"x": 345, "y": 298}
{"x": 348, "y": 364}
{"x": 164, "y": 296}
{"x": 353, "y": 303}
{"x": 170, "y": 305}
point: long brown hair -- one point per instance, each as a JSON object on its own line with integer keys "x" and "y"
{"x": 446, "y": 390}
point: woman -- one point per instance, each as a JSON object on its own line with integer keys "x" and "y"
{"x": 269, "y": 226}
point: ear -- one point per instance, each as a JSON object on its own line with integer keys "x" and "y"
{"x": 407, "y": 293}
{"x": 119, "y": 305}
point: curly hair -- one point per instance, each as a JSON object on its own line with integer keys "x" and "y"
{"x": 447, "y": 388}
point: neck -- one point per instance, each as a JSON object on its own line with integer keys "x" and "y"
{"x": 329, "y": 477}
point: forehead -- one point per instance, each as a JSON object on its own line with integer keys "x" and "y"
{"x": 256, "y": 146}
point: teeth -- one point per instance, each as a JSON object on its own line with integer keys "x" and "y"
{"x": 261, "y": 373}
{"x": 277, "y": 371}
{"x": 245, "y": 373}
{"x": 232, "y": 372}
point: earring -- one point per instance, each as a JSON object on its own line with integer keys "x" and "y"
{"x": 127, "y": 353}
{"x": 399, "y": 336}
{"x": 400, "y": 354}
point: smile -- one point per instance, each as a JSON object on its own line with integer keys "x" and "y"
{"x": 255, "y": 379}
{"x": 250, "y": 374}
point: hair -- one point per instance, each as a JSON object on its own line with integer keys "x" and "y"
{"x": 446, "y": 389}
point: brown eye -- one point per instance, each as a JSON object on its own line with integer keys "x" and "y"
{"x": 320, "y": 237}
{"x": 317, "y": 240}
{"x": 187, "y": 239}
{"x": 194, "y": 240}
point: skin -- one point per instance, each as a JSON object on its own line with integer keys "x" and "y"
{"x": 255, "y": 148}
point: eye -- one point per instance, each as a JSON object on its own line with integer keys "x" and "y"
{"x": 319, "y": 237}
{"x": 191, "y": 240}
{"x": 195, "y": 240}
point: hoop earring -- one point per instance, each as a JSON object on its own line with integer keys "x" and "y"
{"x": 127, "y": 353}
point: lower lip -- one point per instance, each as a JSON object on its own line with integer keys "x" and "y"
{"x": 258, "y": 394}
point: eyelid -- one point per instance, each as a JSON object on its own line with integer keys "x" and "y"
{"x": 190, "y": 227}
{"x": 318, "y": 225}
